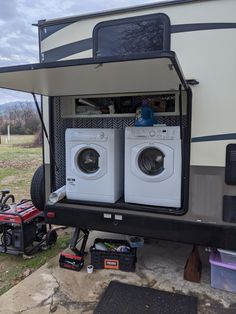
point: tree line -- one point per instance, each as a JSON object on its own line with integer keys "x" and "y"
{"x": 22, "y": 118}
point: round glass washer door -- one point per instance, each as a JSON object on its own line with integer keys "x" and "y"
{"x": 151, "y": 161}
{"x": 88, "y": 160}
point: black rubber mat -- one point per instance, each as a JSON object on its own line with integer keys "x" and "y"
{"x": 122, "y": 298}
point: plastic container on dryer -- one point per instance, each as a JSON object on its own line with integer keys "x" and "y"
{"x": 144, "y": 115}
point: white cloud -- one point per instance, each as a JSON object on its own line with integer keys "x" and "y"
{"x": 8, "y": 10}
{"x": 19, "y": 39}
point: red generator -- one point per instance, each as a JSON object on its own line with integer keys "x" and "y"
{"x": 23, "y": 229}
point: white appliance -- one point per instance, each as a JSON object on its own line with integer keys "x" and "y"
{"x": 94, "y": 164}
{"x": 153, "y": 166}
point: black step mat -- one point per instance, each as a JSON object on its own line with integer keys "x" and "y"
{"x": 121, "y": 298}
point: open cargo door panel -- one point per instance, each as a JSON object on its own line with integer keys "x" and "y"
{"x": 95, "y": 76}
{"x": 105, "y": 77}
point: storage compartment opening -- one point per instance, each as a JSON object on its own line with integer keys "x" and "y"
{"x": 70, "y": 112}
{"x": 119, "y": 106}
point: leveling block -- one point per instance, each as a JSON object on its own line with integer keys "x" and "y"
{"x": 75, "y": 261}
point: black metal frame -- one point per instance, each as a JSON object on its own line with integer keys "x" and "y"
{"x": 75, "y": 240}
{"x": 148, "y": 225}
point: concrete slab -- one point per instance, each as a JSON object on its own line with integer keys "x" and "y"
{"x": 160, "y": 265}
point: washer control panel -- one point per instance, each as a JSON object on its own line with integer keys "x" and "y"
{"x": 155, "y": 133}
{"x": 87, "y": 135}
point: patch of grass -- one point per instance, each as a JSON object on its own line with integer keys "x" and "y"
{"x": 17, "y": 265}
{"x": 18, "y": 162}
{"x": 17, "y": 139}
{"x": 17, "y": 166}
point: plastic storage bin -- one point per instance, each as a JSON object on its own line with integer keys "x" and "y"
{"x": 135, "y": 242}
{"x": 223, "y": 275}
{"x": 109, "y": 259}
{"x": 227, "y": 256}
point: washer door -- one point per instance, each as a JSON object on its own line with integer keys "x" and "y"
{"x": 152, "y": 162}
{"x": 89, "y": 161}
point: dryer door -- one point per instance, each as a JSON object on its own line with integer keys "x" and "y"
{"x": 89, "y": 161}
{"x": 152, "y": 162}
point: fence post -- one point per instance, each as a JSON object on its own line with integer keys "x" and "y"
{"x": 8, "y": 134}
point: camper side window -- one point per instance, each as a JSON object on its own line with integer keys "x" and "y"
{"x": 136, "y": 35}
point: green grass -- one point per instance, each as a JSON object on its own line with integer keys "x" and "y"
{"x": 18, "y": 265}
{"x": 18, "y": 162}
{"x": 17, "y": 166}
{"x": 17, "y": 139}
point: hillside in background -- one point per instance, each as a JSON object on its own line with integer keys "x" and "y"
{"x": 4, "y": 108}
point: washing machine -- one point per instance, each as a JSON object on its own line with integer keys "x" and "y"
{"x": 153, "y": 166}
{"x": 94, "y": 164}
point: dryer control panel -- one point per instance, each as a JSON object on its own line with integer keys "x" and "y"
{"x": 89, "y": 135}
{"x": 156, "y": 132}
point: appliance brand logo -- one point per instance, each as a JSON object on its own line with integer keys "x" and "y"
{"x": 111, "y": 264}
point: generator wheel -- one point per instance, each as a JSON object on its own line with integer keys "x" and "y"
{"x": 37, "y": 188}
{"x": 51, "y": 237}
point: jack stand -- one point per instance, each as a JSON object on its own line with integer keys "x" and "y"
{"x": 75, "y": 261}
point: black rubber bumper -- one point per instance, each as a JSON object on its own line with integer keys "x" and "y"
{"x": 136, "y": 223}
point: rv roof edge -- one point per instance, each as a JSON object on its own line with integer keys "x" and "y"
{"x": 75, "y": 18}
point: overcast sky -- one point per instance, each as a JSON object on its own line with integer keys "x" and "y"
{"x": 19, "y": 39}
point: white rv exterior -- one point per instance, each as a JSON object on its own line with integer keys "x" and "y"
{"x": 203, "y": 55}
{"x": 202, "y": 37}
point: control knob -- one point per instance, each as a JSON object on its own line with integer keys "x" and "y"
{"x": 152, "y": 133}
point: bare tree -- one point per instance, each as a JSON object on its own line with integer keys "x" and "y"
{"x": 22, "y": 118}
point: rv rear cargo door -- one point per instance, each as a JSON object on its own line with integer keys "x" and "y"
{"x": 95, "y": 76}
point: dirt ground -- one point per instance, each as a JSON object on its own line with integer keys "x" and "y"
{"x": 160, "y": 266}
{"x": 13, "y": 269}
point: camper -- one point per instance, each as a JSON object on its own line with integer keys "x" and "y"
{"x": 139, "y": 118}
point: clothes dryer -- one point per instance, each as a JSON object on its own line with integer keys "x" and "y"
{"x": 94, "y": 164}
{"x": 153, "y": 166}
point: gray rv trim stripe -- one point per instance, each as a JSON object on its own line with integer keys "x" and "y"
{"x": 210, "y": 138}
{"x": 200, "y": 27}
{"x": 67, "y": 50}
{"x": 73, "y": 19}
{"x": 86, "y": 44}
